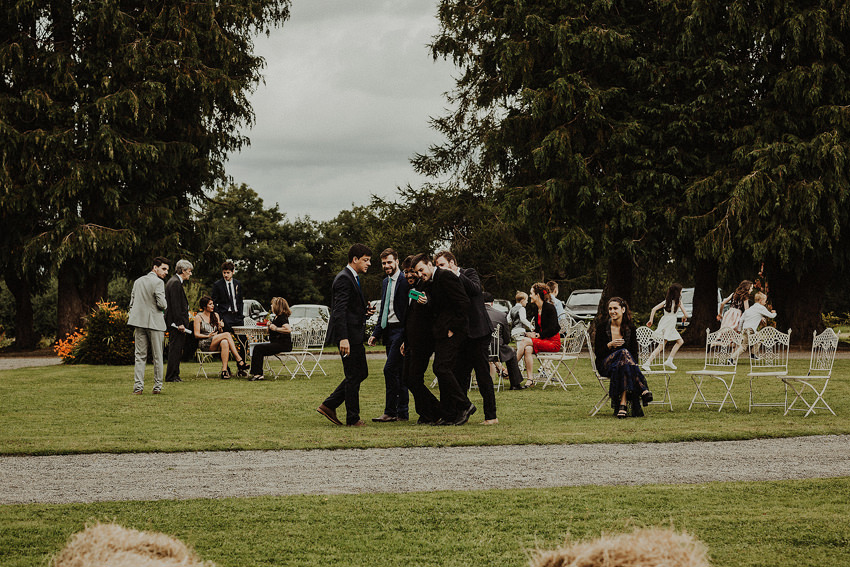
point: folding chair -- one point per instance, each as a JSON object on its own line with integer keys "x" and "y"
{"x": 768, "y": 350}
{"x": 317, "y": 333}
{"x": 204, "y": 357}
{"x": 720, "y": 364}
{"x": 603, "y": 380}
{"x": 552, "y": 362}
{"x": 297, "y": 355}
{"x": 820, "y": 371}
{"x": 648, "y": 340}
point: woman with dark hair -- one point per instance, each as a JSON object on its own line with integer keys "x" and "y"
{"x": 667, "y": 325}
{"x": 739, "y": 301}
{"x": 616, "y": 350}
{"x": 546, "y": 336}
{"x": 211, "y": 337}
{"x": 280, "y": 338}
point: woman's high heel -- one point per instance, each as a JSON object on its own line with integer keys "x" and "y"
{"x": 225, "y": 374}
{"x": 622, "y": 412}
{"x": 242, "y": 367}
{"x": 646, "y": 397}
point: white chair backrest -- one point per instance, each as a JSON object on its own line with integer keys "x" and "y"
{"x": 592, "y": 355}
{"x": 318, "y": 332}
{"x": 574, "y": 339}
{"x": 719, "y": 348}
{"x": 823, "y": 352}
{"x": 648, "y": 340}
{"x": 495, "y": 343}
{"x": 565, "y": 322}
{"x": 769, "y": 350}
{"x": 301, "y": 334}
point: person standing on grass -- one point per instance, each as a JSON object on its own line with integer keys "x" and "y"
{"x": 667, "y": 325}
{"x": 751, "y": 320}
{"x": 147, "y": 316}
{"x": 390, "y": 328}
{"x": 177, "y": 317}
{"x": 347, "y": 327}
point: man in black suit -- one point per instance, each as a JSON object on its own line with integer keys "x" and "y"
{"x": 507, "y": 354}
{"x": 449, "y": 308}
{"x": 177, "y": 318}
{"x": 347, "y": 328}
{"x": 227, "y": 297}
{"x": 417, "y": 348}
{"x": 390, "y": 327}
{"x": 475, "y": 351}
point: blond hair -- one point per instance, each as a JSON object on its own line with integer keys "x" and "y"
{"x": 759, "y": 296}
{"x": 520, "y": 295}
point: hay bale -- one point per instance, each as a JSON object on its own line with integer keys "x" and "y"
{"x": 653, "y": 547}
{"x": 111, "y": 545}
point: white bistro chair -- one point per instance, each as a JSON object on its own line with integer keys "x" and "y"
{"x": 551, "y": 363}
{"x": 720, "y": 364}
{"x": 298, "y": 354}
{"x": 768, "y": 350}
{"x": 648, "y": 340}
{"x": 603, "y": 380}
{"x": 820, "y": 371}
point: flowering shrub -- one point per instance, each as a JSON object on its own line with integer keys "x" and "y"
{"x": 104, "y": 339}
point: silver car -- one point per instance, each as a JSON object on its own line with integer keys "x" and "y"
{"x": 583, "y": 303}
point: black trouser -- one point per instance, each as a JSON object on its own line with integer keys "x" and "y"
{"x": 260, "y": 352}
{"x": 416, "y": 360}
{"x": 453, "y": 400}
{"x": 232, "y": 319}
{"x": 176, "y": 340}
{"x": 475, "y": 354}
{"x": 514, "y": 373}
{"x": 397, "y": 398}
{"x": 356, "y": 370}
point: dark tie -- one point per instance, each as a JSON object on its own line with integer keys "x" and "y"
{"x": 232, "y": 306}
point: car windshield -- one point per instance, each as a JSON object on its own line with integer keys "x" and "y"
{"x": 584, "y": 299}
{"x": 306, "y": 312}
{"x": 688, "y": 295}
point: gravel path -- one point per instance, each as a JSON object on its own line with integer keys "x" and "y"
{"x": 158, "y": 476}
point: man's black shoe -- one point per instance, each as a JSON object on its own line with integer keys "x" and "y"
{"x": 464, "y": 417}
{"x": 178, "y": 379}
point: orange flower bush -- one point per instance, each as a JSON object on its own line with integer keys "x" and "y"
{"x": 104, "y": 339}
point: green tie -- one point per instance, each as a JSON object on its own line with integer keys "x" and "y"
{"x": 389, "y": 301}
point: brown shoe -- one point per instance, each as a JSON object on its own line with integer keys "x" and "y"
{"x": 384, "y": 418}
{"x": 157, "y": 391}
{"x": 360, "y": 423}
{"x": 329, "y": 413}
{"x": 137, "y": 392}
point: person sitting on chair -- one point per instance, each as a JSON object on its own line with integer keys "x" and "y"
{"x": 280, "y": 338}
{"x": 211, "y": 337}
{"x": 519, "y": 322}
{"x": 547, "y": 334}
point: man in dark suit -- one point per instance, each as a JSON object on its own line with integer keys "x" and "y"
{"x": 507, "y": 354}
{"x": 449, "y": 308}
{"x": 417, "y": 348}
{"x": 475, "y": 352}
{"x": 390, "y": 327}
{"x": 227, "y": 297}
{"x": 177, "y": 318}
{"x": 347, "y": 328}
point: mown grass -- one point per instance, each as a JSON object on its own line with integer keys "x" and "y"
{"x": 81, "y": 409}
{"x": 788, "y": 523}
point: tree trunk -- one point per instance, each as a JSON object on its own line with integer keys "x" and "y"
{"x": 25, "y": 338}
{"x": 70, "y": 308}
{"x": 799, "y": 301}
{"x": 705, "y": 303}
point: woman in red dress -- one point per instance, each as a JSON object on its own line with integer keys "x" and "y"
{"x": 546, "y": 335}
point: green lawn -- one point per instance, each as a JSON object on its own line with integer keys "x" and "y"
{"x": 791, "y": 523}
{"x": 80, "y": 409}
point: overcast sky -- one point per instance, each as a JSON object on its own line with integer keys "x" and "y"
{"x": 349, "y": 89}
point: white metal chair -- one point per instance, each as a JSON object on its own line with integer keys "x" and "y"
{"x": 768, "y": 351}
{"x": 720, "y": 364}
{"x": 820, "y": 371}
{"x": 648, "y": 340}
{"x": 603, "y": 380}
{"x": 551, "y": 363}
{"x": 204, "y": 357}
{"x": 317, "y": 333}
{"x": 297, "y": 355}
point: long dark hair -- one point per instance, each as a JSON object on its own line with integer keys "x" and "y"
{"x": 742, "y": 292}
{"x": 627, "y": 314}
{"x": 674, "y": 297}
{"x": 202, "y": 304}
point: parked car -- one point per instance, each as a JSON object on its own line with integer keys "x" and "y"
{"x": 688, "y": 303}
{"x": 502, "y": 305}
{"x": 304, "y": 311}
{"x": 252, "y": 312}
{"x": 583, "y": 303}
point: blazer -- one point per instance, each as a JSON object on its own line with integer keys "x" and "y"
{"x": 348, "y": 309}
{"x": 449, "y": 305}
{"x": 148, "y": 303}
{"x": 221, "y": 298}
{"x": 418, "y": 323}
{"x": 603, "y": 337}
{"x": 178, "y": 306}
{"x": 506, "y": 351}
{"x": 548, "y": 326}
{"x": 479, "y": 322}
{"x": 400, "y": 301}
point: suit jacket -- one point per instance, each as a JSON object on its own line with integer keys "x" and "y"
{"x": 348, "y": 309}
{"x": 178, "y": 306}
{"x": 221, "y": 299}
{"x": 400, "y": 301}
{"x": 148, "y": 303}
{"x": 506, "y": 351}
{"x": 449, "y": 304}
{"x": 418, "y": 322}
{"x": 479, "y": 322}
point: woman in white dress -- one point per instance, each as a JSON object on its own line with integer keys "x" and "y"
{"x": 667, "y": 325}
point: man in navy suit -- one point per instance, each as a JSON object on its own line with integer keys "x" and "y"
{"x": 347, "y": 328}
{"x": 390, "y": 327}
{"x": 228, "y": 300}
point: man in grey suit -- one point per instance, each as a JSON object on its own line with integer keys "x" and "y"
{"x": 147, "y": 315}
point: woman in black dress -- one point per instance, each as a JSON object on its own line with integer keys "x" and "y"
{"x": 616, "y": 351}
{"x": 280, "y": 338}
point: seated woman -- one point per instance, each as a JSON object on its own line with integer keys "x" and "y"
{"x": 280, "y": 338}
{"x": 516, "y": 317}
{"x": 211, "y": 338}
{"x": 616, "y": 350}
{"x": 546, "y": 336}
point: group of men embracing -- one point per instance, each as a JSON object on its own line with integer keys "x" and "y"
{"x": 429, "y": 306}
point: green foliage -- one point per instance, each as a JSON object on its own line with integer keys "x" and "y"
{"x": 105, "y": 339}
